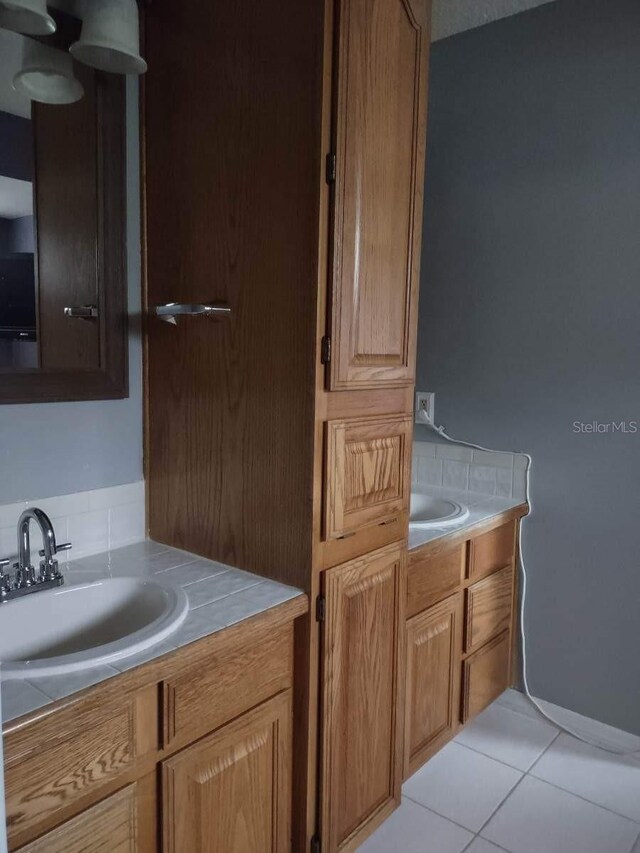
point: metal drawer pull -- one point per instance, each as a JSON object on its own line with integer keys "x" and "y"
{"x": 172, "y": 310}
{"x": 82, "y": 312}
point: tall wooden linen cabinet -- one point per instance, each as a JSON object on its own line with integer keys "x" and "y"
{"x": 283, "y": 161}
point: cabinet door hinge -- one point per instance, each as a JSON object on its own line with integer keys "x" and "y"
{"x": 325, "y": 350}
{"x": 320, "y": 608}
{"x": 331, "y": 168}
{"x": 316, "y": 844}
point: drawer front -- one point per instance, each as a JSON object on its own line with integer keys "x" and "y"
{"x": 485, "y": 675}
{"x": 71, "y": 754}
{"x": 492, "y": 551}
{"x": 108, "y": 827}
{"x": 432, "y": 579}
{"x": 368, "y": 472}
{"x": 223, "y": 686}
{"x": 489, "y": 606}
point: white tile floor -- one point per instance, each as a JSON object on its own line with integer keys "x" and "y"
{"x": 513, "y": 782}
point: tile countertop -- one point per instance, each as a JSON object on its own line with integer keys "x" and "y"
{"x": 481, "y": 508}
{"x": 219, "y": 596}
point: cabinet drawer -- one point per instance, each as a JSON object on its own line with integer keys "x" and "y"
{"x": 431, "y": 579}
{"x": 485, "y": 675}
{"x": 108, "y": 827}
{"x": 368, "y": 472}
{"x": 488, "y": 608}
{"x": 69, "y": 755}
{"x": 492, "y": 551}
{"x": 224, "y": 685}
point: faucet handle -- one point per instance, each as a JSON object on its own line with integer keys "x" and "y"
{"x": 5, "y": 580}
{"x": 66, "y": 546}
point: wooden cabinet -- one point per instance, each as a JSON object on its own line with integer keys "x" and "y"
{"x": 279, "y": 439}
{"x": 460, "y": 633}
{"x": 231, "y": 791}
{"x": 361, "y": 702}
{"x": 96, "y": 773}
{"x": 379, "y": 143}
{"x": 111, "y": 826}
{"x": 434, "y": 640}
{"x": 368, "y": 472}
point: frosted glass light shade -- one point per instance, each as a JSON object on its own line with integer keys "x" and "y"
{"x": 26, "y": 16}
{"x": 47, "y": 75}
{"x": 110, "y": 38}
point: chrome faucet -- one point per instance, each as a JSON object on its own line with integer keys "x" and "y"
{"x": 25, "y": 580}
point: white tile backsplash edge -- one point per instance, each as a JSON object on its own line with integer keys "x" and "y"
{"x": 457, "y": 467}
{"x": 93, "y": 521}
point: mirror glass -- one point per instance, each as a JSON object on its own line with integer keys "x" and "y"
{"x": 62, "y": 220}
{"x": 18, "y": 315}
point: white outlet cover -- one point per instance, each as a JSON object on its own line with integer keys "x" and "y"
{"x": 425, "y": 407}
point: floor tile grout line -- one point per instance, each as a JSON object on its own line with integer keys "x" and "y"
{"x": 499, "y": 760}
{"x": 500, "y": 804}
{"x": 583, "y": 798}
{"x": 497, "y": 846}
{"x": 439, "y": 814}
{"x": 544, "y": 752}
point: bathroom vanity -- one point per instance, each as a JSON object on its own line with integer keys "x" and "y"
{"x": 460, "y": 630}
{"x": 138, "y": 761}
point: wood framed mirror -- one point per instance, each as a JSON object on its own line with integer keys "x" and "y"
{"x": 63, "y": 282}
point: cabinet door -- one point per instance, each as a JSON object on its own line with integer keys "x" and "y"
{"x": 108, "y": 827}
{"x": 231, "y": 791}
{"x": 434, "y": 646}
{"x": 361, "y": 712}
{"x": 368, "y": 472}
{"x": 380, "y": 133}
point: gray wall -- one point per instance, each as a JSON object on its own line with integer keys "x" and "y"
{"x": 60, "y": 448}
{"x": 530, "y": 314}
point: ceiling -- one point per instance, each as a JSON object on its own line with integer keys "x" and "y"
{"x": 455, "y": 16}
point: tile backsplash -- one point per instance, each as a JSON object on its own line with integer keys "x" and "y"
{"x": 480, "y": 471}
{"x": 92, "y": 521}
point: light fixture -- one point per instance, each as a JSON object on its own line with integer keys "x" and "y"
{"x": 26, "y": 16}
{"x": 47, "y": 75}
{"x": 110, "y": 38}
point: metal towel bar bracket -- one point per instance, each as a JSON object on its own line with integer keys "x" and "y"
{"x": 172, "y": 310}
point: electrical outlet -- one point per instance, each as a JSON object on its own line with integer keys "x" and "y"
{"x": 425, "y": 407}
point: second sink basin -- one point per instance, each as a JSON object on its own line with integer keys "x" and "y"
{"x": 428, "y": 511}
{"x": 78, "y": 627}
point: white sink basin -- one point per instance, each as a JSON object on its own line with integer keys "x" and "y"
{"x": 78, "y": 627}
{"x": 428, "y": 511}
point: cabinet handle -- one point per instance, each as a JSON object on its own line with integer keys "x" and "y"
{"x": 389, "y": 521}
{"x": 82, "y": 312}
{"x": 172, "y": 310}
